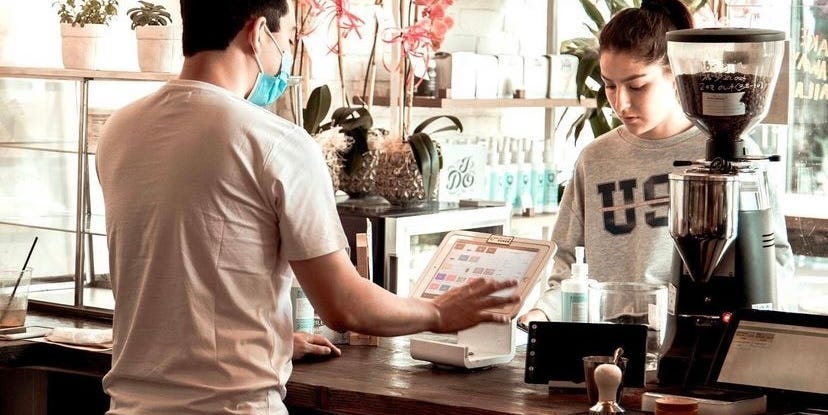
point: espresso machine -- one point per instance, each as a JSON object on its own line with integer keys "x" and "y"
{"x": 720, "y": 213}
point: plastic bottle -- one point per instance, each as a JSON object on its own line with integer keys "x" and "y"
{"x": 303, "y": 313}
{"x": 538, "y": 176}
{"x": 523, "y": 173}
{"x": 494, "y": 172}
{"x": 550, "y": 183}
{"x": 575, "y": 291}
{"x": 509, "y": 174}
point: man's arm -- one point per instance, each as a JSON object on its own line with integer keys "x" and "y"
{"x": 346, "y": 301}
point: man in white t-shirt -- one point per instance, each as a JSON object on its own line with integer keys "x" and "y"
{"x": 212, "y": 205}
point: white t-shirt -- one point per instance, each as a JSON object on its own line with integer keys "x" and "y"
{"x": 207, "y": 198}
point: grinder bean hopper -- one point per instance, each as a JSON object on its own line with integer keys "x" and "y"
{"x": 720, "y": 213}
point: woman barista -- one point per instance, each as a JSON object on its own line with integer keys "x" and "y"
{"x": 616, "y": 205}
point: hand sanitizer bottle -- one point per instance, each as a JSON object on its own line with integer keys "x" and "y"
{"x": 574, "y": 291}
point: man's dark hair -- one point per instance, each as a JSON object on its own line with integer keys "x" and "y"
{"x": 212, "y": 24}
{"x": 642, "y": 32}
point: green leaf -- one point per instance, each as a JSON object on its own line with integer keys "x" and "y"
{"x": 456, "y": 124}
{"x": 586, "y": 67}
{"x": 616, "y": 6}
{"x": 317, "y": 108}
{"x": 355, "y": 122}
{"x": 352, "y": 118}
{"x": 593, "y": 13}
{"x": 429, "y": 160}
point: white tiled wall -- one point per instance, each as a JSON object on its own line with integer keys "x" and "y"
{"x": 482, "y": 26}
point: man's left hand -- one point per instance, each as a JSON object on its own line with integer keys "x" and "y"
{"x": 305, "y": 344}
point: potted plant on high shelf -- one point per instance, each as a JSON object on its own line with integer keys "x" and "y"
{"x": 159, "y": 42}
{"x": 83, "y": 24}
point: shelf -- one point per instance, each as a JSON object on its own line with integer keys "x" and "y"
{"x": 54, "y": 222}
{"x": 96, "y": 225}
{"x": 423, "y": 102}
{"x": 68, "y": 147}
{"x": 80, "y": 74}
{"x": 64, "y": 222}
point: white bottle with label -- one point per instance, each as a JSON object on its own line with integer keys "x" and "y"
{"x": 509, "y": 174}
{"x": 523, "y": 182}
{"x": 303, "y": 313}
{"x": 538, "y": 177}
{"x": 495, "y": 173}
{"x": 575, "y": 291}
{"x": 550, "y": 184}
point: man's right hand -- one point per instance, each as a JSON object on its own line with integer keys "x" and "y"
{"x": 465, "y": 306}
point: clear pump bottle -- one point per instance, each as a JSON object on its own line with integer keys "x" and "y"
{"x": 575, "y": 291}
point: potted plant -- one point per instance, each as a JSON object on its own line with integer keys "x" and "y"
{"x": 83, "y": 24}
{"x": 159, "y": 42}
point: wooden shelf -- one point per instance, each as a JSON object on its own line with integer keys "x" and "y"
{"x": 75, "y": 74}
{"x": 487, "y": 103}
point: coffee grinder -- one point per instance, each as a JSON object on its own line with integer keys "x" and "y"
{"x": 720, "y": 213}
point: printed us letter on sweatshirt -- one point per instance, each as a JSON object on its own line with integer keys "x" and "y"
{"x": 653, "y": 198}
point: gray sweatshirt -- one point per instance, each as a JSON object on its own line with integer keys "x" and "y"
{"x": 616, "y": 207}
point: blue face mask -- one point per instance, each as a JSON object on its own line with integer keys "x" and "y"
{"x": 268, "y": 88}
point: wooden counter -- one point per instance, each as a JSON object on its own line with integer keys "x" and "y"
{"x": 386, "y": 380}
{"x": 364, "y": 380}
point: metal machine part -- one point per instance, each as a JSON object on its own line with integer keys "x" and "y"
{"x": 720, "y": 212}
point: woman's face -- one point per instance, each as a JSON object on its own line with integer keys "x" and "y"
{"x": 642, "y": 95}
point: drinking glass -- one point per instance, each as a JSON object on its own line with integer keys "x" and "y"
{"x": 632, "y": 303}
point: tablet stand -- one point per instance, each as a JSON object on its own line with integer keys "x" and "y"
{"x": 483, "y": 345}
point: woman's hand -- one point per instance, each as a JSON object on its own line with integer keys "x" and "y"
{"x": 305, "y": 344}
{"x": 533, "y": 315}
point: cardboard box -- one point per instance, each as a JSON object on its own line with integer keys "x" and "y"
{"x": 363, "y": 266}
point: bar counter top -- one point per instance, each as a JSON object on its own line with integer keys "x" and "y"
{"x": 380, "y": 379}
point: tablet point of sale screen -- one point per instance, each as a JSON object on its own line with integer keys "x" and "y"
{"x": 470, "y": 260}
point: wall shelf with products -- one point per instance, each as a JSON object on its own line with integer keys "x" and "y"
{"x": 48, "y": 120}
{"x": 478, "y": 103}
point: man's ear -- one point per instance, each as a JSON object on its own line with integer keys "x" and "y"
{"x": 254, "y": 32}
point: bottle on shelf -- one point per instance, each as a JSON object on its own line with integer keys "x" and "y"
{"x": 550, "y": 180}
{"x": 538, "y": 176}
{"x": 509, "y": 174}
{"x": 494, "y": 171}
{"x": 427, "y": 85}
{"x": 575, "y": 291}
{"x": 523, "y": 173}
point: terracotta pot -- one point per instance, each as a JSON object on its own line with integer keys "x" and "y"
{"x": 159, "y": 48}
{"x": 80, "y": 44}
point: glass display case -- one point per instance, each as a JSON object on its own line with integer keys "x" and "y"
{"x": 49, "y": 123}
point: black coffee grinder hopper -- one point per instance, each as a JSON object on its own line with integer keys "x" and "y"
{"x": 720, "y": 212}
